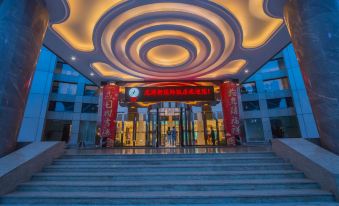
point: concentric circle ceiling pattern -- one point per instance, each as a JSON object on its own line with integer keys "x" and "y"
{"x": 167, "y": 39}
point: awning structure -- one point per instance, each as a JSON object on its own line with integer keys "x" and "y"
{"x": 166, "y": 40}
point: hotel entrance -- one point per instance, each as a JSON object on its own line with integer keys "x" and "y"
{"x": 171, "y": 116}
{"x": 169, "y": 125}
{"x": 172, "y": 126}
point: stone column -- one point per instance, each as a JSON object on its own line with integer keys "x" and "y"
{"x": 22, "y": 28}
{"x": 314, "y": 29}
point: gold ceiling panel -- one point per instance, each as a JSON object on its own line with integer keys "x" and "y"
{"x": 256, "y": 25}
{"x": 232, "y": 67}
{"x": 78, "y": 28}
{"x": 168, "y": 55}
{"x": 106, "y": 70}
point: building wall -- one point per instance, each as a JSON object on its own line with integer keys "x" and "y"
{"x": 33, "y": 122}
{"x": 287, "y": 68}
{"x": 302, "y": 104}
{"x": 77, "y": 117}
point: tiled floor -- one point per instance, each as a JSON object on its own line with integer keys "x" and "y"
{"x": 187, "y": 150}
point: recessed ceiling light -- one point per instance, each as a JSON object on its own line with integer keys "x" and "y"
{"x": 73, "y": 58}
{"x": 246, "y": 71}
{"x": 92, "y": 74}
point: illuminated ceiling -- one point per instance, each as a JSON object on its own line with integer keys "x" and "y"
{"x": 166, "y": 40}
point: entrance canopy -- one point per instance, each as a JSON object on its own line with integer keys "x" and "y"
{"x": 166, "y": 40}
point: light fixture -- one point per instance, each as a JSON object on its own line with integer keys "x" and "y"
{"x": 92, "y": 74}
{"x": 73, "y": 58}
{"x": 246, "y": 71}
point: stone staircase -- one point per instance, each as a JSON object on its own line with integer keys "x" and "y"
{"x": 256, "y": 178}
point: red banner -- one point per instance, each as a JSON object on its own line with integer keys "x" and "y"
{"x": 110, "y": 96}
{"x": 229, "y": 100}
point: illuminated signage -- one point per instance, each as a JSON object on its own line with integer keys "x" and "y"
{"x": 158, "y": 94}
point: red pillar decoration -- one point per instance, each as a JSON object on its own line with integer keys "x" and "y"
{"x": 110, "y": 97}
{"x": 229, "y": 101}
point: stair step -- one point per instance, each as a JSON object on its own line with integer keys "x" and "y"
{"x": 168, "y": 156}
{"x": 183, "y": 185}
{"x": 166, "y": 161}
{"x": 192, "y": 175}
{"x": 177, "y": 167}
{"x": 170, "y": 197}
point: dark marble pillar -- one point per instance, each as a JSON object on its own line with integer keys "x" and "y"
{"x": 314, "y": 29}
{"x": 23, "y": 25}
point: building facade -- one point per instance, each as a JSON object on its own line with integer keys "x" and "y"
{"x": 274, "y": 104}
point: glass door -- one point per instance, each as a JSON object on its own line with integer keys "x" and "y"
{"x": 170, "y": 126}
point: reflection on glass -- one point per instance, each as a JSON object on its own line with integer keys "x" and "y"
{"x": 276, "y": 84}
{"x": 254, "y": 130}
{"x": 248, "y": 88}
{"x": 57, "y": 106}
{"x": 64, "y": 88}
{"x": 286, "y": 126}
{"x": 280, "y": 103}
{"x": 251, "y": 106}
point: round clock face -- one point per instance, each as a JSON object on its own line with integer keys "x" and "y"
{"x": 134, "y": 92}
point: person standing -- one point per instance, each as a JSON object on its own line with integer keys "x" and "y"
{"x": 213, "y": 136}
{"x": 174, "y": 136}
{"x": 169, "y": 136}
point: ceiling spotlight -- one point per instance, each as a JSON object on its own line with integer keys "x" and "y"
{"x": 73, "y": 58}
{"x": 246, "y": 71}
{"x": 92, "y": 74}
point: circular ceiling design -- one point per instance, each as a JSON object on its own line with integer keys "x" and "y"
{"x": 167, "y": 39}
{"x": 202, "y": 35}
{"x": 168, "y": 55}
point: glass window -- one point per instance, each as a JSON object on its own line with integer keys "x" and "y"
{"x": 58, "y": 67}
{"x": 91, "y": 90}
{"x": 248, "y": 88}
{"x": 88, "y": 133}
{"x": 276, "y": 84}
{"x": 254, "y": 130}
{"x": 89, "y": 108}
{"x": 287, "y": 126}
{"x": 64, "y": 88}
{"x": 274, "y": 65}
{"x": 250, "y": 105}
{"x": 61, "y": 106}
{"x": 57, "y": 130}
{"x": 62, "y": 68}
{"x": 280, "y": 103}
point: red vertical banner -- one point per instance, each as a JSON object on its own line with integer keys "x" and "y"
{"x": 230, "y": 107}
{"x": 110, "y": 97}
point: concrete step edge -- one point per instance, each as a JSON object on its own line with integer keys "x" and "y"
{"x": 235, "y": 172}
{"x": 171, "y": 166}
{"x": 171, "y": 182}
{"x": 174, "y": 194}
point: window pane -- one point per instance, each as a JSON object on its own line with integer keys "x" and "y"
{"x": 64, "y": 88}
{"x": 91, "y": 90}
{"x": 254, "y": 130}
{"x": 274, "y": 65}
{"x": 248, "y": 88}
{"x": 276, "y": 84}
{"x": 61, "y": 106}
{"x": 57, "y": 130}
{"x": 285, "y": 127}
{"x": 281, "y": 103}
{"x": 89, "y": 108}
{"x": 251, "y": 105}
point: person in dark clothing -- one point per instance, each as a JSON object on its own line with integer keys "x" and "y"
{"x": 213, "y": 136}
{"x": 169, "y": 136}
